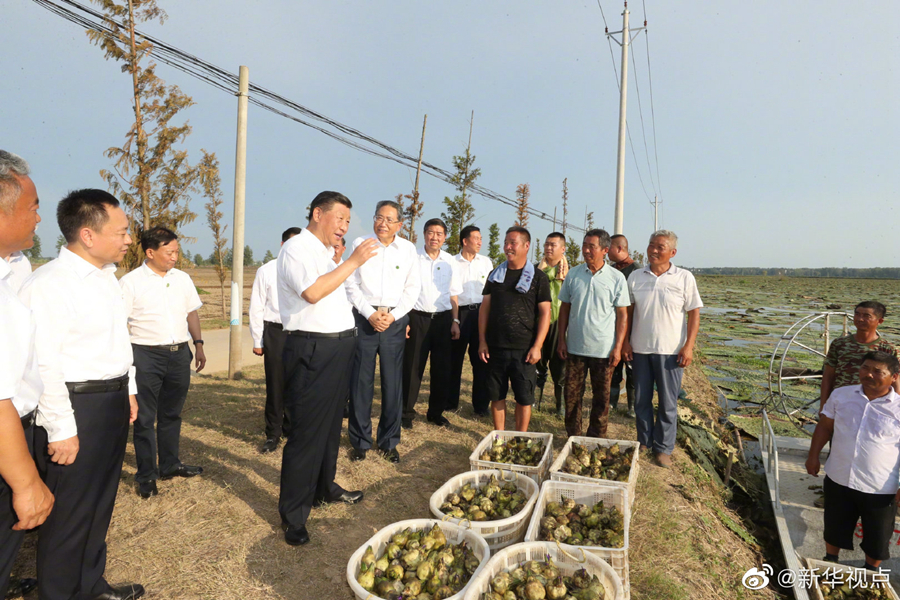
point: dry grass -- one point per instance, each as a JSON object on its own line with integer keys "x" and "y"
{"x": 218, "y": 536}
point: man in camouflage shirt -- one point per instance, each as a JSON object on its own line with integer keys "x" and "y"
{"x": 845, "y": 356}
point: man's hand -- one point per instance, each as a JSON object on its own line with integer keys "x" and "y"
{"x": 483, "y": 353}
{"x": 454, "y": 331}
{"x": 259, "y": 351}
{"x": 562, "y": 348}
{"x": 812, "y": 465}
{"x": 615, "y": 357}
{"x": 366, "y": 250}
{"x": 627, "y": 352}
{"x": 133, "y": 407}
{"x": 407, "y": 332}
{"x": 200, "y": 357}
{"x": 64, "y": 452}
{"x": 32, "y": 505}
{"x": 534, "y": 355}
{"x": 685, "y": 356}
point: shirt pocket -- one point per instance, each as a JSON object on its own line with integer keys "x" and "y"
{"x": 441, "y": 276}
{"x": 884, "y": 429}
{"x": 674, "y": 299}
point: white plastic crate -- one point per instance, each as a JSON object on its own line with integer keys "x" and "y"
{"x": 567, "y": 562}
{"x": 455, "y": 535}
{"x": 821, "y": 566}
{"x": 537, "y": 473}
{"x": 502, "y": 532}
{"x": 589, "y": 494}
{"x": 557, "y": 474}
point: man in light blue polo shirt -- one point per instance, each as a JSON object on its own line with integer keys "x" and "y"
{"x": 592, "y": 324}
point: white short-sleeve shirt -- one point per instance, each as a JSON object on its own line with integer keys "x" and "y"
{"x": 440, "y": 281}
{"x": 158, "y": 305}
{"x": 472, "y": 276}
{"x": 390, "y": 278}
{"x": 659, "y": 324}
{"x": 302, "y": 260}
{"x": 20, "y": 379}
{"x": 865, "y": 447}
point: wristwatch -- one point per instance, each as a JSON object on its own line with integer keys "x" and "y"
{"x": 198, "y": 342}
{"x": 456, "y": 321}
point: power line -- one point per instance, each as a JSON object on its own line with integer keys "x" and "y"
{"x": 263, "y": 97}
{"x": 652, "y": 113}
{"x": 637, "y": 89}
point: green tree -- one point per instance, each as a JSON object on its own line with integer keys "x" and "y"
{"x": 494, "y": 245}
{"x": 638, "y": 257}
{"x": 573, "y": 252}
{"x": 151, "y": 175}
{"x": 268, "y": 257}
{"x": 459, "y": 209}
{"x": 209, "y": 180}
{"x": 228, "y": 258}
{"x": 537, "y": 250}
{"x": 523, "y": 194}
{"x": 60, "y": 242}
{"x": 198, "y": 260}
{"x": 248, "y": 257}
{"x": 34, "y": 253}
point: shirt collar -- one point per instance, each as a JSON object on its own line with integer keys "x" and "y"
{"x": 314, "y": 243}
{"x": 441, "y": 255}
{"x": 5, "y": 269}
{"x": 673, "y": 270}
{"x": 890, "y": 397}
{"x": 151, "y": 273}
{"x": 81, "y": 267}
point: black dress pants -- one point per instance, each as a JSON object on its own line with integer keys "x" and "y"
{"x": 370, "y": 345}
{"x": 10, "y": 541}
{"x": 71, "y": 553}
{"x": 468, "y": 339}
{"x": 428, "y": 334}
{"x": 317, "y": 379}
{"x": 163, "y": 378}
{"x": 273, "y": 346}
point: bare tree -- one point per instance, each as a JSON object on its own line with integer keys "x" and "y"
{"x": 209, "y": 180}
{"x": 523, "y": 193}
{"x": 565, "y": 211}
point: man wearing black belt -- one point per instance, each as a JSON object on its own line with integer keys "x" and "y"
{"x": 268, "y": 342}
{"x": 83, "y": 416}
{"x": 473, "y": 271}
{"x": 382, "y": 292}
{"x": 25, "y": 501}
{"x": 318, "y": 319}
{"x": 161, "y": 303}
{"x": 433, "y": 323}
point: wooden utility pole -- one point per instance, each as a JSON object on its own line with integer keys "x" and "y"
{"x": 235, "y": 342}
{"x": 415, "y": 198}
{"x": 140, "y": 137}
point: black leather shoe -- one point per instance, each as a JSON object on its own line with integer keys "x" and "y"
{"x": 392, "y": 456}
{"x": 182, "y": 471}
{"x": 270, "y": 445}
{"x": 482, "y": 413}
{"x": 345, "y": 497}
{"x": 357, "y": 455}
{"x": 130, "y": 591}
{"x": 19, "y": 587}
{"x": 147, "y": 489}
{"x": 296, "y": 537}
{"x": 406, "y": 423}
{"x": 440, "y": 421}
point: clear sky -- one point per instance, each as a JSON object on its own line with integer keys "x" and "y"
{"x": 776, "y": 122}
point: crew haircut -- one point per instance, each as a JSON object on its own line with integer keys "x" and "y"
{"x": 289, "y": 233}
{"x": 325, "y": 200}
{"x": 556, "y": 234}
{"x": 157, "y": 236}
{"x": 670, "y": 235}
{"x": 393, "y": 205}
{"x": 602, "y": 237}
{"x": 83, "y": 208}
{"x": 433, "y": 222}
{"x": 467, "y": 231}
{"x": 12, "y": 166}
{"x": 888, "y": 360}
{"x": 878, "y": 307}
{"x": 617, "y": 236}
{"x": 521, "y": 230}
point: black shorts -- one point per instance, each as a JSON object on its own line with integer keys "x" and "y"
{"x": 845, "y": 506}
{"x": 507, "y": 367}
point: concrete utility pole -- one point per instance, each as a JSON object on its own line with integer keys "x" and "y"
{"x": 656, "y": 202}
{"x": 623, "y": 127}
{"x": 235, "y": 342}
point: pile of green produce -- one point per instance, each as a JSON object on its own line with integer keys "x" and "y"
{"x": 848, "y": 591}
{"x": 540, "y": 580}
{"x": 611, "y": 463}
{"x": 418, "y": 565}
{"x": 582, "y": 525}
{"x": 519, "y": 450}
{"x": 494, "y": 500}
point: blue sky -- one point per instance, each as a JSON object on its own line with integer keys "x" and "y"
{"x": 776, "y": 122}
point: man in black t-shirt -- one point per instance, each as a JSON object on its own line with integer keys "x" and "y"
{"x": 512, "y": 325}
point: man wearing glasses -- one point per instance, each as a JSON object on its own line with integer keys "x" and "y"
{"x": 382, "y": 292}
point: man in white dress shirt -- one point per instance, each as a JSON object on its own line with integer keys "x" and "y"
{"x": 19, "y": 267}
{"x": 25, "y": 501}
{"x": 433, "y": 323}
{"x": 382, "y": 292}
{"x": 85, "y": 360}
{"x": 161, "y": 303}
{"x": 863, "y": 468}
{"x": 268, "y": 342}
{"x": 318, "y": 319}
{"x": 473, "y": 271}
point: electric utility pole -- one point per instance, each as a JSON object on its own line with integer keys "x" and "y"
{"x": 623, "y": 93}
{"x": 656, "y": 202}
{"x": 235, "y": 341}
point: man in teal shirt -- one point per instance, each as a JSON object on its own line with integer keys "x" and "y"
{"x": 556, "y": 267}
{"x": 593, "y": 319}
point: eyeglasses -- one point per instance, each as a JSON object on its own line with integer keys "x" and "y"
{"x": 380, "y": 219}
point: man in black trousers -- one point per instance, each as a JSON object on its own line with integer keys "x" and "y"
{"x": 88, "y": 402}
{"x": 433, "y": 323}
{"x": 161, "y": 303}
{"x": 268, "y": 341}
{"x": 318, "y": 319}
